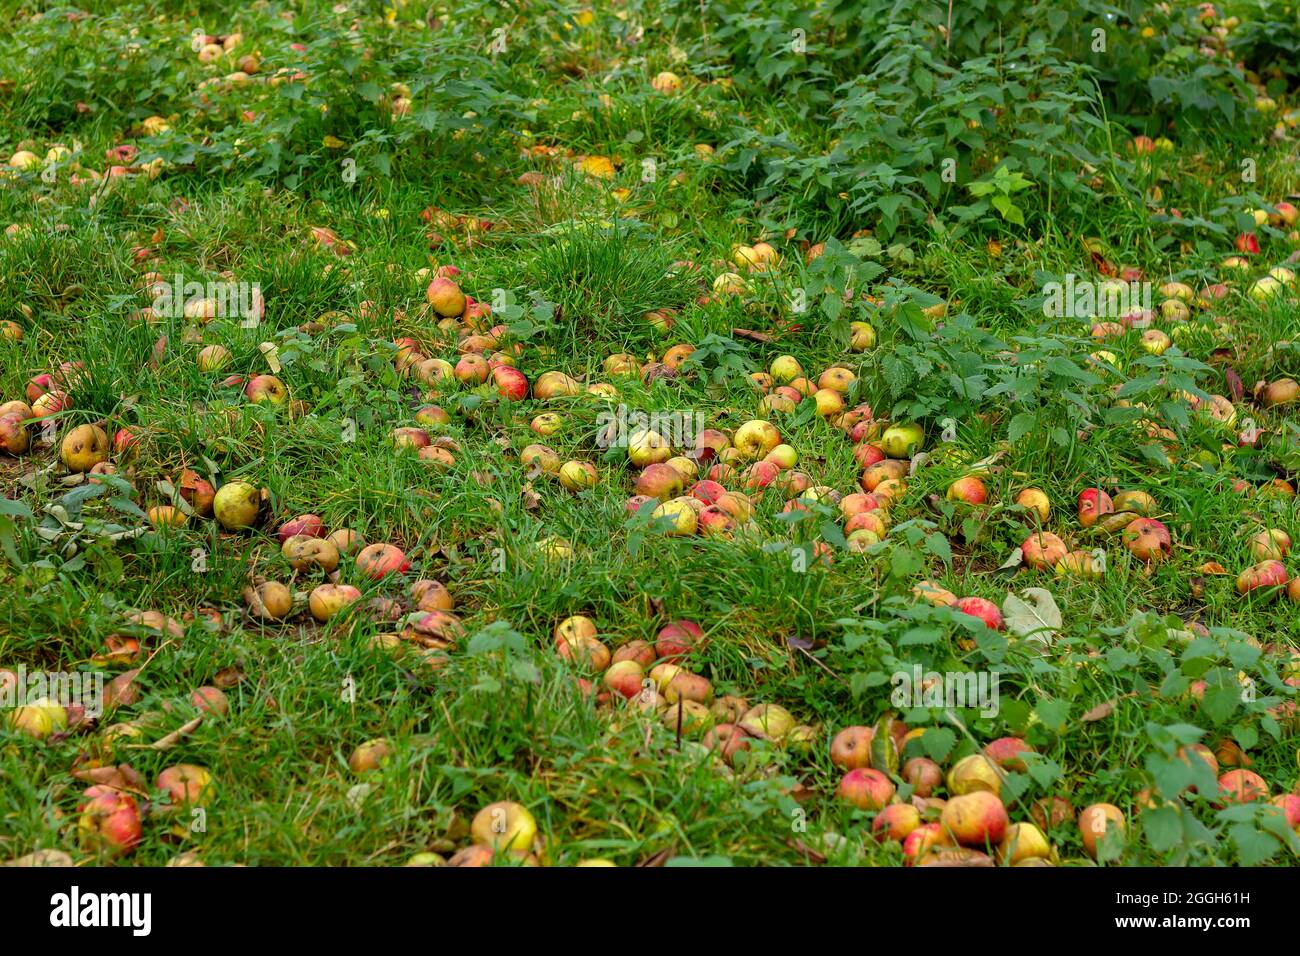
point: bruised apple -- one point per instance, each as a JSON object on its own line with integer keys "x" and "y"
{"x": 328, "y": 600}
{"x": 84, "y": 447}
{"x": 1147, "y": 539}
{"x": 1043, "y": 550}
{"x": 109, "y": 821}
{"x": 976, "y": 819}
{"x": 1266, "y": 574}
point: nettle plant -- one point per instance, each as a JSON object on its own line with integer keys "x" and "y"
{"x": 350, "y": 106}
{"x": 910, "y": 126}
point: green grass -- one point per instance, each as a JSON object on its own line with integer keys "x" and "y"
{"x": 570, "y": 268}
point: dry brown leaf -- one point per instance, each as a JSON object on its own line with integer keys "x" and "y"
{"x": 660, "y": 858}
{"x": 172, "y": 739}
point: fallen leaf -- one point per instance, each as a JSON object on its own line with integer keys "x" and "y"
{"x": 1037, "y": 618}
{"x": 1014, "y": 560}
{"x": 807, "y": 852}
{"x": 172, "y": 739}
{"x": 122, "y": 690}
{"x": 1235, "y": 386}
{"x": 121, "y": 777}
{"x": 660, "y": 858}
{"x": 1100, "y": 712}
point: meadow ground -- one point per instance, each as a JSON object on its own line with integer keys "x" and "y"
{"x": 951, "y": 257}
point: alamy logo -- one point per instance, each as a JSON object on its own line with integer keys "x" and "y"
{"x": 618, "y": 428}
{"x": 209, "y": 300}
{"x": 1085, "y": 299}
{"x": 23, "y": 688}
{"x": 74, "y": 909}
{"x": 952, "y": 689}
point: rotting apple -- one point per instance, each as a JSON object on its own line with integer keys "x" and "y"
{"x": 84, "y": 447}
{"x": 109, "y": 821}
{"x": 304, "y": 552}
{"x": 370, "y": 755}
{"x": 269, "y": 599}
{"x": 1266, "y": 574}
{"x": 768, "y": 721}
{"x": 1147, "y": 539}
{"x": 328, "y": 600}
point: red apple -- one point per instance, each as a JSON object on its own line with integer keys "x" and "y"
{"x": 1242, "y": 786}
{"x": 851, "y": 748}
{"x": 970, "y": 489}
{"x": 983, "y": 609}
{"x": 309, "y": 525}
{"x": 510, "y": 382}
{"x": 380, "y": 560}
{"x": 109, "y": 821}
{"x": 678, "y": 640}
{"x": 266, "y": 390}
{"x": 1266, "y": 574}
{"x": 866, "y": 789}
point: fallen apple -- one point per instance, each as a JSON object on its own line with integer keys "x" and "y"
{"x": 84, "y": 447}
{"x": 866, "y": 789}
{"x": 109, "y": 821}
{"x": 975, "y": 819}
{"x": 1096, "y": 821}
{"x": 236, "y": 505}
